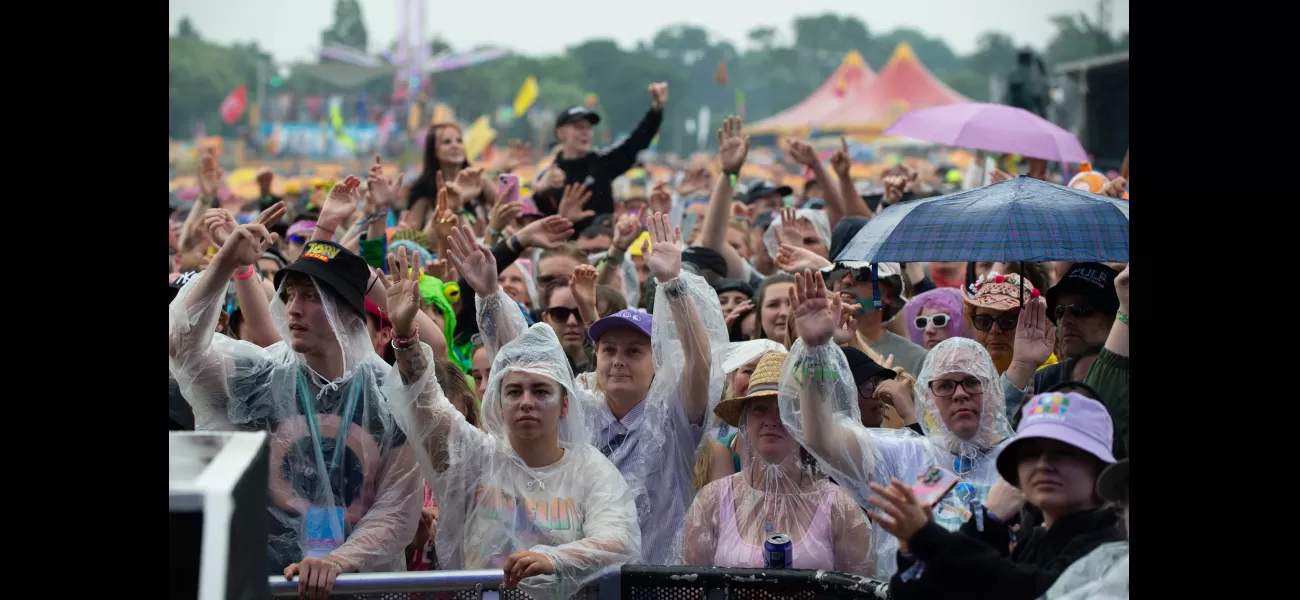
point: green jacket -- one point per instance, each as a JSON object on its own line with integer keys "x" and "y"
{"x": 1109, "y": 375}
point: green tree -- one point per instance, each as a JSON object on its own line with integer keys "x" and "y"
{"x": 349, "y": 27}
{"x": 1077, "y": 38}
{"x": 995, "y": 54}
{"x": 186, "y": 29}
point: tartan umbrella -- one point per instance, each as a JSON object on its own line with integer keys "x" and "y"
{"x": 1020, "y": 219}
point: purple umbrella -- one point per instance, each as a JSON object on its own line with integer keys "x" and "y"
{"x": 992, "y": 128}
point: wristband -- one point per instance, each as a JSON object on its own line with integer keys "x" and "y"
{"x": 514, "y": 245}
{"x": 405, "y": 343}
{"x": 493, "y": 232}
{"x": 1122, "y": 316}
{"x": 372, "y": 284}
{"x": 245, "y": 274}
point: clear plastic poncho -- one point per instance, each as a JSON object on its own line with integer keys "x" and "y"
{"x": 732, "y": 517}
{"x": 821, "y": 412}
{"x": 821, "y": 223}
{"x": 375, "y": 483}
{"x": 577, "y": 511}
{"x": 657, "y": 457}
{"x": 1100, "y": 575}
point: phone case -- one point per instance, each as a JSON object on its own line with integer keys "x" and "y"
{"x": 508, "y": 188}
{"x": 933, "y": 485}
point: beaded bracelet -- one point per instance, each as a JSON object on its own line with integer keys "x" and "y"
{"x": 404, "y": 343}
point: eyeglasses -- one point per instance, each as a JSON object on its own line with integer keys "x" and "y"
{"x": 561, "y": 314}
{"x": 1081, "y": 310}
{"x": 1006, "y": 322}
{"x": 940, "y": 320}
{"x": 868, "y": 389}
{"x": 942, "y": 388}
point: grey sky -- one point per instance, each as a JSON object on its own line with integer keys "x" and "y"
{"x": 290, "y": 29}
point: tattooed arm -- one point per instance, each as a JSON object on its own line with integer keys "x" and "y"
{"x": 411, "y": 363}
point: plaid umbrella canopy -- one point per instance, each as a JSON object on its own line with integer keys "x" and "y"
{"x": 1020, "y": 219}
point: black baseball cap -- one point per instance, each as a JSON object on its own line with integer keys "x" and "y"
{"x": 863, "y": 368}
{"x": 766, "y": 188}
{"x": 1092, "y": 280}
{"x": 733, "y": 285}
{"x": 335, "y": 268}
{"x": 177, "y": 282}
{"x": 706, "y": 259}
{"x": 575, "y": 114}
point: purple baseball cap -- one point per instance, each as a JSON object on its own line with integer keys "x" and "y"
{"x": 1071, "y": 418}
{"x": 634, "y": 319}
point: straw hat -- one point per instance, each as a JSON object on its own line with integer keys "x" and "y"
{"x": 999, "y": 292}
{"x": 764, "y": 383}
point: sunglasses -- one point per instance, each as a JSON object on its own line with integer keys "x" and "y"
{"x": 561, "y": 314}
{"x": 298, "y": 240}
{"x": 940, "y": 320}
{"x": 1082, "y": 310}
{"x": 868, "y": 388}
{"x": 942, "y": 388}
{"x": 985, "y": 322}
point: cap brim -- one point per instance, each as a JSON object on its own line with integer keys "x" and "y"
{"x": 325, "y": 277}
{"x": 604, "y": 324}
{"x": 590, "y": 117}
{"x": 1112, "y": 486}
{"x": 1006, "y": 459}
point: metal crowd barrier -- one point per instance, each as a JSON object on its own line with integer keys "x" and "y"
{"x": 667, "y": 583}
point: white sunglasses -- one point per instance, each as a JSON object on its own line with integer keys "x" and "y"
{"x": 940, "y": 320}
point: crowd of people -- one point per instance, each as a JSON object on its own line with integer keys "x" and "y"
{"x": 555, "y": 380}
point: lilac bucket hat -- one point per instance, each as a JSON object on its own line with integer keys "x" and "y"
{"x": 634, "y": 319}
{"x": 1072, "y": 419}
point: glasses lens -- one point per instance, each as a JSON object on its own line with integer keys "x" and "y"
{"x": 940, "y": 320}
{"x": 1007, "y": 323}
{"x": 562, "y": 313}
{"x": 922, "y": 322}
{"x": 982, "y": 322}
{"x": 943, "y": 387}
{"x": 973, "y": 385}
{"x": 297, "y": 240}
{"x": 1082, "y": 310}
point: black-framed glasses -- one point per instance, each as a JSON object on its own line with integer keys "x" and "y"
{"x": 1081, "y": 310}
{"x": 1006, "y": 322}
{"x": 940, "y": 321}
{"x": 942, "y": 388}
{"x": 868, "y": 389}
{"x": 561, "y": 314}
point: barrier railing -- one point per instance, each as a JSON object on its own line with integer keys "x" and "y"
{"x": 685, "y": 583}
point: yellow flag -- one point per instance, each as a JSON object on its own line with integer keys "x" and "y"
{"x": 527, "y": 95}
{"x": 413, "y": 118}
{"x": 477, "y": 137}
{"x": 336, "y": 120}
{"x": 442, "y": 114}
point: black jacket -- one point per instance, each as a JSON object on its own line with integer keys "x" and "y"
{"x": 598, "y": 169}
{"x": 971, "y": 564}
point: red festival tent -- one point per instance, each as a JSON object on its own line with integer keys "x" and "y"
{"x": 902, "y": 86}
{"x": 852, "y": 77}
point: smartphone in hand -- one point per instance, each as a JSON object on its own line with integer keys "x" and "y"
{"x": 932, "y": 485}
{"x": 507, "y": 187}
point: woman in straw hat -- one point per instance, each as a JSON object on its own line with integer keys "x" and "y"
{"x": 993, "y": 305}
{"x": 778, "y": 491}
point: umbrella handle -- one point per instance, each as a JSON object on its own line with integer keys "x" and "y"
{"x": 875, "y": 286}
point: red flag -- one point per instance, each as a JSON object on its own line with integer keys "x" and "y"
{"x": 720, "y": 75}
{"x": 232, "y": 108}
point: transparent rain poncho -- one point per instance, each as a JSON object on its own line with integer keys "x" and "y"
{"x": 821, "y": 412}
{"x": 733, "y": 516}
{"x": 375, "y": 483}
{"x": 577, "y": 511}
{"x": 1100, "y": 575}
{"x": 657, "y": 455}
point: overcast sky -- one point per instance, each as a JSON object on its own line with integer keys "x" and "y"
{"x": 290, "y": 29}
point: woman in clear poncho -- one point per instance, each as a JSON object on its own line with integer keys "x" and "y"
{"x": 656, "y": 377}
{"x": 778, "y": 491}
{"x": 302, "y": 390}
{"x": 959, "y": 407}
{"x": 526, "y": 493}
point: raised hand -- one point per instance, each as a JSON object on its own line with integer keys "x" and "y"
{"x": 444, "y": 218}
{"x": 468, "y": 183}
{"x": 517, "y": 154}
{"x": 573, "y": 204}
{"x": 840, "y": 161}
{"x": 476, "y": 264}
{"x": 658, "y": 95}
{"x": 404, "y": 292}
{"x": 584, "y": 285}
{"x": 210, "y": 175}
{"x": 439, "y": 268}
{"x": 816, "y": 315}
{"x": 665, "y": 261}
{"x": 1034, "y": 341}
{"x": 383, "y": 190}
{"x": 247, "y": 242}
{"x": 341, "y": 202}
{"x": 848, "y": 325}
{"x": 733, "y": 145}
{"x": 219, "y": 225}
{"x": 736, "y": 312}
{"x": 802, "y": 152}
{"x": 659, "y": 196}
{"x": 1121, "y": 289}
{"x": 547, "y": 232}
{"x": 554, "y": 178}
{"x": 504, "y": 215}
{"x": 788, "y": 232}
{"x": 793, "y": 260}
{"x": 625, "y": 231}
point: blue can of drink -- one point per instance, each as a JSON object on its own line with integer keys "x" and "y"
{"x": 778, "y": 551}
